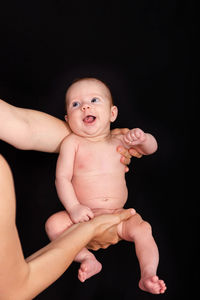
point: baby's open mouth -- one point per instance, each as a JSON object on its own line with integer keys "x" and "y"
{"x": 89, "y": 119}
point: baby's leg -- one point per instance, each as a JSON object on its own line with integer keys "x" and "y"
{"x": 138, "y": 231}
{"x": 56, "y": 225}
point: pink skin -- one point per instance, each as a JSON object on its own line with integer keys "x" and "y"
{"x": 81, "y": 213}
{"x": 152, "y": 285}
{"x": 135, "y": 136}
{"x": 87, "y": 163}
{"x": 89, "y": 267}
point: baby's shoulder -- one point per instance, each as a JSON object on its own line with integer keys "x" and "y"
{"x": 71, "y": 139}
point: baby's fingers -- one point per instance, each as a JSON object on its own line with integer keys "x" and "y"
{"x": 139, "y": 134}
{"x": 135, "y": 135}
{"x": 90, "y": 214}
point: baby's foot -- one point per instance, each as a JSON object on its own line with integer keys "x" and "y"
{"x": 88, "y": 268}
{"x": 152, "y": 285}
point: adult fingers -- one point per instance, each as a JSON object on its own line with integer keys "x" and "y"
{"x": 120, "y": 130}
{"x": 134, "y": 152}
{"x": 123, "y": 151}
{"x": 126, "y": 214}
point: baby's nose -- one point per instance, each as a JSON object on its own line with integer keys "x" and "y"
{"x": 85, "y": 106}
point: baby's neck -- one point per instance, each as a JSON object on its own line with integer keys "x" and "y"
{"x": 99, "y": 138}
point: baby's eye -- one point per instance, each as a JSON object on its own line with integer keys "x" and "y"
{"x": 75, "y": 104}
{"x": 94, "y": 100}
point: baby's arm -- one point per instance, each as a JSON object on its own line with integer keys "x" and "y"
{"x": 144, "y": 143}
{"x": 64, "y": 172}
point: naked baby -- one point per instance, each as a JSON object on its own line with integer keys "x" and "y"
{"x": 90, "y": 179}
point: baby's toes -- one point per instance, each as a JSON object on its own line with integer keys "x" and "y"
{"x": 163, "y": 288}
{"x": 82, "y": 274}
{"x": 155, "y": 279}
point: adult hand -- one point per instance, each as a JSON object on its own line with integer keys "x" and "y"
{"x": 126, "y": 153}
{"x": 105, "y": 227}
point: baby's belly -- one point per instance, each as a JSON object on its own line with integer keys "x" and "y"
{"x": 101, "y": 191}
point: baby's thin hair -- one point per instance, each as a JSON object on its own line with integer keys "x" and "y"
{"x": 92, "y": 78}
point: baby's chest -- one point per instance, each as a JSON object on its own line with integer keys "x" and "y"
{"x": 103, "y": 158}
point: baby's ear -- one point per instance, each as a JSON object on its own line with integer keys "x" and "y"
{"x": 113, "y": 113}
{"x": 66, "y": 118}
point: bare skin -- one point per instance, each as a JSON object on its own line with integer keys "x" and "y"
{"x": 89, "y": 184}
{"x": 29, "y": 129}
{"x": 24, "y": 279}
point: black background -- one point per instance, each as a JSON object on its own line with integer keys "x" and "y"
{"x": 139, "y": 49}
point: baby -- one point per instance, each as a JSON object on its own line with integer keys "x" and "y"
{"x": 90, "y": 179}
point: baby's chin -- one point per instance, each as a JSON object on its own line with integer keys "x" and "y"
{"x": 91, "y": 132}
{"x": 93, "y": 136}
{"x": 85, "y": 133}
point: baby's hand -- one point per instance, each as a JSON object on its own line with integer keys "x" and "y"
{"x": 81, "y": 213}
{"x": 134, "y": 137}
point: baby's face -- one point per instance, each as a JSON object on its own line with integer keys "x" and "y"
{"x": 89, "y": 108}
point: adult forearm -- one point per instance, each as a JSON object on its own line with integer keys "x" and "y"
{"x": 30, "y": 129}
{"x": 46, "y": 265}
{"x": 49, "y": 263}
{"x": 13, "y": 125}
{"x": 23, "y": 280}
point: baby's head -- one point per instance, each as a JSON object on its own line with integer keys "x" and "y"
{"x": 90, "y": 83}
{"x": 90, "y": 107}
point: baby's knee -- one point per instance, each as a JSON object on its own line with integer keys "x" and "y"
{"x": 142, "y": 230}
{"x": 135, "y": 227}
{"x": 144, "y": 227}
{"x": 56, "y": 224}
{"x": 49, "y": 224}
{"x": 50, "y": 227}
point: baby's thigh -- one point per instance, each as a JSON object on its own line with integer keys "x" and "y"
{"x": 57, "y": 223}
{"x": 127, "y": 229}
